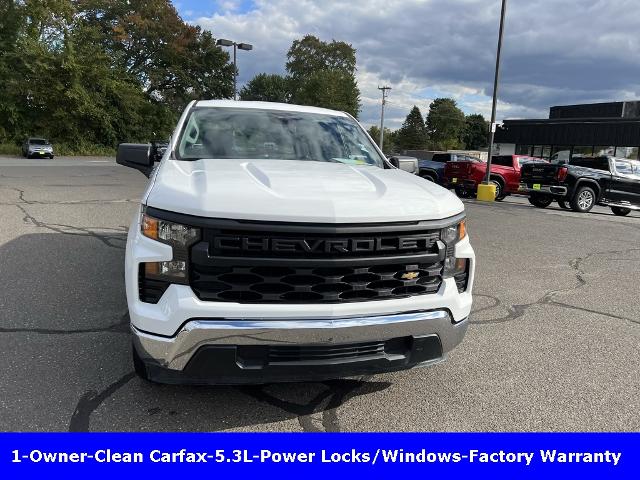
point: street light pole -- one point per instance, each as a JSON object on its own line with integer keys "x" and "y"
{"x": 235, "y": 71}
{"x": 492, "y": 128}
{"x": 384, "y": 101}
{"x": 242, "y": 46}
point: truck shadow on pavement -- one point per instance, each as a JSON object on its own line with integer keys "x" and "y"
{"x": 70, "y": 283}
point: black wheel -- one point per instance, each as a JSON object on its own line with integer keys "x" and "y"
{"x": 564, "y": 204}
{"x": 540, "y": 201}
{"x": 429, "y": 178}
{"x": 583, "y": 200}
{"x": 138, "y": 365}
{"x": 502, "y": 197}
{"x": 499, "y": 189}
{"x": 620, "y": 211}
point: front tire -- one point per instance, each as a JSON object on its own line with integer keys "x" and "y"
{"x": 428, "y": 178}
{"x": 540, "y": 201}
{"x": 583, "y": 200}
{"x": 620, "y": 211}
{"x": 499, "y": 189}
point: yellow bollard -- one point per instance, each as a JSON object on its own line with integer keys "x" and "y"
{"x": 486, "y": 193}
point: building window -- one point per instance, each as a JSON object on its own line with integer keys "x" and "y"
{"x": 582, "y": 151}
{"x": 627, "y": 152}
{"x": 561, "y": 153}
{"x": 537, "y": 151}
{"x": 602, "y": 150}
{"x": 523, "y": 150}
{"x": 546, "y": 152}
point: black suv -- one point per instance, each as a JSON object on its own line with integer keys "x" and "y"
{"x": 583, "y": 183}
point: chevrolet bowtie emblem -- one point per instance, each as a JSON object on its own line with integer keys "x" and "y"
{"x": 409, "y": 275}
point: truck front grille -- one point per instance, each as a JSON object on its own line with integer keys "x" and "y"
{"x": 314, "y": 285}
{"x": 249, "y": 262}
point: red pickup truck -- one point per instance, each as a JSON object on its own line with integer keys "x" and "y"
{"x": 505, "y": 174}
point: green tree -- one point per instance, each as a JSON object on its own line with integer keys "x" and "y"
{"x": 98, "y": 72}
{"x": 412, "y": 135}
{"x": 174, "y": 61}
{"x": 389, "y": 141}
{"x": 12, "y": 21}
{"x": 332, "y": 89}
{"x": 266, "y": 87}
{"x": 475, "y": 132}
{"x": 445, "y": 124}
{"x": 323, "y": 74}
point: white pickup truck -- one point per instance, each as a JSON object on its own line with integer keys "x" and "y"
{"x": 275, "y": 242}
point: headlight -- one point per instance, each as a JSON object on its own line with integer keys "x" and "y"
{"x": 180, "y": 237}
{"x": 454, "y": 267}
{"x": 168, "y": 232}
{"x": 454, "y": 233}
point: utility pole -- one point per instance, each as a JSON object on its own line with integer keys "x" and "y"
{"x": 384, "y": 101}
{"x": 492, "y": 128}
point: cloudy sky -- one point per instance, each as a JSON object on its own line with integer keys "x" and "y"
{"x": 555, "y": 51}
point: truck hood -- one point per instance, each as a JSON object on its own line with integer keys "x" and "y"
{"x": 297, "y": 191}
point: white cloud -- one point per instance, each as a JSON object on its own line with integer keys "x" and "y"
{"x": 554, "y": 52}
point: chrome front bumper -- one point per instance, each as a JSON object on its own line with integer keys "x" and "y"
{"x": 175, "y": 352}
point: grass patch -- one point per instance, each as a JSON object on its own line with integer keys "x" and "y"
{"x": 9, "y": 149}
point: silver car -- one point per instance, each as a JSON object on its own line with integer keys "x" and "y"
{"x": 37, "y": 148}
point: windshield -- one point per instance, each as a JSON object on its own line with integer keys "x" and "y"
{"x": 38, "y": 141}
{"x": 240, "y": 133}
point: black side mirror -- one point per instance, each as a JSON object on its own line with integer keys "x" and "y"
{"x": 394, "y": 161}
{"x": 136, "y": 155}
{"x": 158, "y": 149}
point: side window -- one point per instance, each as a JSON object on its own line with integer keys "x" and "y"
{"x": 624, "y": 168}
{"x": 577, "y": 161}
{"x": 442, "y": 158}
{"x": 603, "y": 164}
{"x": 503, "y": 160}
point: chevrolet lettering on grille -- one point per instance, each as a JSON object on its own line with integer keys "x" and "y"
{"x": 317, "y": 245}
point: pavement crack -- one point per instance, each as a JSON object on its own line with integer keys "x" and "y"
{"x": 120, "y": 327}
{"x": 344, "y": 390}
{"x": 91, "y": 400}
{"x": 302, "y": 411}
{"x": 337, "y": 391}
{"x": 549, "y": 298}
{"x": 105, "y": 238}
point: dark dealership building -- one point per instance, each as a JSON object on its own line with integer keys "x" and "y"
{"x": 575, "y": 130}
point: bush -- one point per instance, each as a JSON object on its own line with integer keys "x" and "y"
{"x": 10, "y": 149}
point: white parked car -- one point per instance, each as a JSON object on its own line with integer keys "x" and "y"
{"x": 275, "y": 242}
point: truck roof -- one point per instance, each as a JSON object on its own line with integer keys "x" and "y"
{"x": 285, "y": 107}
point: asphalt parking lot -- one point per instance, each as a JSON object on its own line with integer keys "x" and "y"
{"x": 552, "y": 345}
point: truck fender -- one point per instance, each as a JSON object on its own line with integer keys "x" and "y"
{"x": 589, "y": 182}
{"x": 499, "y": 178}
